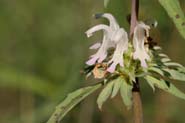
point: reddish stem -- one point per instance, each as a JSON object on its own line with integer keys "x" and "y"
{"x": 137, "y": 103}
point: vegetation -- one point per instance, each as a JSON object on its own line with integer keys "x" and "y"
{"x": 44, "y": 48}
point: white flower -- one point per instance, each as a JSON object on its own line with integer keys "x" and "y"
{"x": 112, "y": 21}
{"x": 106, "y": 43}
{"x": 141, "y": 31}
{"x": 121, "y": 39}
{"x": 113, "y": 36}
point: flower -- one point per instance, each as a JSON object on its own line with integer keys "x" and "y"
{"x": 141, "y": 31}
{"x": 113, "y": 23}
{"x": 121, "y": 39}
{"x": 106, "y": 43}
{"x": 113, "y": 36}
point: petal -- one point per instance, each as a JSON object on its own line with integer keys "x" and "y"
{"x": 121, "y": 47}
{"x": 91, "y": 61}
{"x": 95, "y": 46}
{"x": 113, "y": 23}
{"x": 96, "y": 28}
{"x": 112, "y": 68}
{"x": 144, "y": 64}
{"x": 141, "y": 31}
{"x": 113, "y": 36}
{"x": 102, "y": 57}
{"x": 118, "y": 35}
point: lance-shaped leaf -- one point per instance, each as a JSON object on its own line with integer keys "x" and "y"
{"x": 71, "y": 100}
{"x": 166, "y": 86}
{"x": 176, "y": 75}
{"x": 105, "y": 94}
{"x": 126, "y": 93}
{"x": 116, "y": 87}
{"x": 175, "y": 12}
{"x": 156, "y": 70}
{"x": 173, "y": 64}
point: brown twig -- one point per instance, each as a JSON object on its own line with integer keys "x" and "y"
{"x": 137, "y": 104}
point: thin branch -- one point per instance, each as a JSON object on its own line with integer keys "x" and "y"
{"x": 137, "y": 104}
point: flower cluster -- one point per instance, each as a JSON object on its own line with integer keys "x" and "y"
{"x": 116, "y": 37}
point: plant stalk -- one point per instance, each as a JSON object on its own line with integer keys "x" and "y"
{"x": 137, "y": 103}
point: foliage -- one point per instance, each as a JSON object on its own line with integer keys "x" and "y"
{"x": 175, "y": 12}
{"x": 159, "y": 66}
{"x": 40, "y": 52}
{"x": 160, "y": 72}
{"x": 71, "y": 100}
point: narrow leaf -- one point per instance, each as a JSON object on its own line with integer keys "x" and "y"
{"x": 104, "y": 95}
{"x": 155, "y": 82}
{"x": 150, "y": 83}
{"x": 173, "y": 64}
{"x": 175, "y": 12}
{"x": 165, "y": 60}
{"x": 163, "y": 55}
{"x": 116, "y": 87}
{"x": 126, "y": 93}
{"x": 157, "y": 70}
{"x": 71, "y": 100}
{"x": 170, "y": 88}
{"x": 157, "y": 48}
{"x": 176, "y": 75}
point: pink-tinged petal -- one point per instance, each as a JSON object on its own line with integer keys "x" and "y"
{"x": 95, "y": 46}
{"x": 91, "y": 61}
{"x": 102, "y": 57}
{"x": 112, "y": 68}
{"x": 144, "y": 64}
{"x": 113, "y": 36}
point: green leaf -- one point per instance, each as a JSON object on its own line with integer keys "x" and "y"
{"x": 165, "y": 60}
{"x": 150, "y": 83}
{"x": 126, "y": 93}
{"x": 104, "y": 95}
{"x": 163, "y": 55}
{"x": 168, "y": 87}
{"x": 106, "y": 2}
{"x": 157, "y": 70}
{"x": 157, "y": 48}
{"x": 175, "y": 12}
{"x": 181, "y": 69}
{"x": 116, "y": 87}
{"x": 173, "y": 64}
{"x": 155, "y": 82}
{"x": 71, "y": 100}
{"x": 176, "y": 75}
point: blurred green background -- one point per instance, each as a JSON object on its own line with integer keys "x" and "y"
{"x": 43, "y": 49}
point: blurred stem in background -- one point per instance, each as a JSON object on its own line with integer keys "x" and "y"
{"x": 27, "y": 107}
